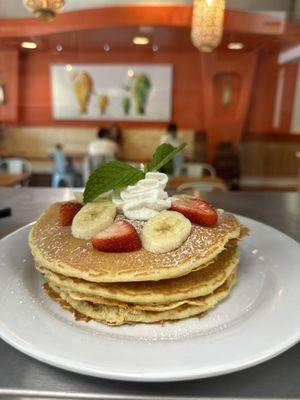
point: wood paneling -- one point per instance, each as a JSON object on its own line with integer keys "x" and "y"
{"x": 257, "y": 158}
{"x": 140, "y": 146}
{"x": 267, "y": 159}
{"x": 9, "y": 78}
{"x": 38, "y": 143}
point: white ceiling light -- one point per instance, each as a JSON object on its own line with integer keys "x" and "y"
{"x": 59, "y": 48}
{"x": 155, "y": 48}
{"x": 235, "y": 46}
{"x": 29, "y": 45}
{"x": 69, "y": 67}
{"x": 140, "y": 40}
{"x": 106, "y": 47}
{"x": 207, "y": 24}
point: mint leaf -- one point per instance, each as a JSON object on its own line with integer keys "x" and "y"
{"x": 163, "y": 154}
{"x": 109, "y": 176}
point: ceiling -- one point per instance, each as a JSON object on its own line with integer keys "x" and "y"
{"x": 119, "y": 39}
{"x": 13, "y": 9}
{"x": 167, "y": 38}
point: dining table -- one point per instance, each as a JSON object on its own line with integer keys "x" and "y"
{"x": 9, "y": 179}
{"x": 23, "y": 377}
{"x": 176, "y": 181}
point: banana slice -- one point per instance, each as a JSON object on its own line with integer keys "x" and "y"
{"x": 165, "y": 232}
{"x": 78, "y": 196}
{"x": 92, "y": 218}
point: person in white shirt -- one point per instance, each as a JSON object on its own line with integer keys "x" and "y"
{"x": 116, "y": 134}
{"x": 102, "y": 150}
{"x": 103, "y": 146}
{"x": 170, "y": 137}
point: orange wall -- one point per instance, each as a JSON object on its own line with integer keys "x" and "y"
{"x": 225, "y": 120}
{"x": 188, "y": 88}
{"x": 9, "y": 78}
{"x": 261, "y": 110}
{"x": 35, "y": 100}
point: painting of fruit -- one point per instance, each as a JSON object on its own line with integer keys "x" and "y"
{"x": 82, "y": 87}
{"x": 103, "y": 102}
{"x": 111, "y": 92}
{"x": 126, "y": 105}
{"x": 140, "y": 90}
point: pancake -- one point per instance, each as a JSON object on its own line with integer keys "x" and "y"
{"x": 54, "y": 247}
{"x": 114, "y": 315}
{"x": 195, "y": 284}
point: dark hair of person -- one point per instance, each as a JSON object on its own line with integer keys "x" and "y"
{"x": 116, "y": 133}
{"x": 58, "y": 146}
{"x": 69, "y": 160}
{"x": 172, "y": 129}
{"x": 103, "y": 133}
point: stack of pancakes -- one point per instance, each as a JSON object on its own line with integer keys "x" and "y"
{"x": 139, "y": 286}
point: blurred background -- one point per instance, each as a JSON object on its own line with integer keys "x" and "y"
{"x": 84, "y": 82}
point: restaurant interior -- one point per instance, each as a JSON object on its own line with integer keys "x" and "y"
{"x": 228, "y": 81}
{"x": 149, "y": 199}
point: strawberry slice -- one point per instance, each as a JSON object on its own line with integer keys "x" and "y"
{"x": 119, "y": 237}
{"x": 196, "y": 210}
{"x": 67, "y": 212}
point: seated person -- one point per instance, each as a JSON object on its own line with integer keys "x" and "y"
{"x": 174, "y": 167}
{"x": 116, "y": 134}
{"x": 171, "y": 136}
{"x": 72, "y": 172}
{"x": 102, "y": 150}
{"x": 103, "y": 145}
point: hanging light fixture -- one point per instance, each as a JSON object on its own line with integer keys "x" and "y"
{"x": 44, "y": 9}
{"x": 207, "y": 24}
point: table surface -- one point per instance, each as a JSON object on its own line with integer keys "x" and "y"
{"x": 7, "y": 179}
{"x": 277, "y": 378}
{"x": 179, "y": 180}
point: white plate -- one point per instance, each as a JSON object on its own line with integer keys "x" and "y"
{"x": 259, "y": 320}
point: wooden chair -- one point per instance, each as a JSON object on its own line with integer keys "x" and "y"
{"x": 196, "y": 170}
{"x": 18, "y": 166}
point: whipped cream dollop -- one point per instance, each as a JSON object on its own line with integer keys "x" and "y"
{"x": 145, "y": 199}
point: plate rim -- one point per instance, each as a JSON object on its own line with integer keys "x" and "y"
{"x": 186, "y": 375}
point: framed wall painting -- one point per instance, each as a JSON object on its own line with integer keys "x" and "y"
{"x": 138, "y": 92}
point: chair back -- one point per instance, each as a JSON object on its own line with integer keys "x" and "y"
{"x": 196, "y": 170}
{"x": 18, "y": 166}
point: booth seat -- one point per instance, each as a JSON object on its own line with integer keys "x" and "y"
{"x": 38, "y": 143}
